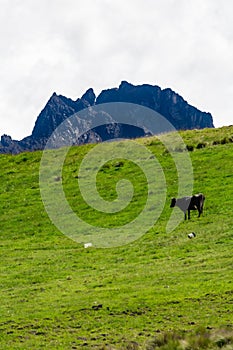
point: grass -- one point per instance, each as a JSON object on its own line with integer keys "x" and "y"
{"x": 161, "y": 291}
{"x": 200, "y": 339}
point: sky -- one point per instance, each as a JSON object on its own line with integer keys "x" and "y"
{"x": 68, "y": 46}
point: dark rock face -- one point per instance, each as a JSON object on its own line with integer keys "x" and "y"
{"x": 166, "y": 102}
{"x": 7, "y": 145}
{"x": 57, "y": 109}
{"x": 89, "y": 97}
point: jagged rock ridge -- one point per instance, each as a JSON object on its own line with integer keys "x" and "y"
{"x": 58, "y": 108}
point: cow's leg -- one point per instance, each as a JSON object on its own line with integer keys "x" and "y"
{"x": 201, "y": 208}
{"x": 185, "y": 216}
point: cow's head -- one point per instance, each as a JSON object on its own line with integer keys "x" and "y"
{"x": 173, "y": 203}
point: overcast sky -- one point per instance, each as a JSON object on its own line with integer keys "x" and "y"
{"x": 67, "y": 46}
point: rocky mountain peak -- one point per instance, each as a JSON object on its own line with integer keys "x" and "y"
{"x": 125, "y": 85}
{"x": 58, "y": 108}
{"x": 89, "y": 96}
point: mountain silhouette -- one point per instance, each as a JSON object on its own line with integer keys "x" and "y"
{"x": 58, "y": 108}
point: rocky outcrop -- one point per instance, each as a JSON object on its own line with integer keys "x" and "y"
{"x": 7, "y": 145}
{"x": 166, "y": 102}
{"x": 58, "y": 108}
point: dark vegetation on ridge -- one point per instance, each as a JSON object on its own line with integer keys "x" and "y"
{"x": 164, "y": 101}
{"x": 163, "y": 291}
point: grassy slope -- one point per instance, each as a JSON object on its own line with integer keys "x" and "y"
{"x": 49, "y": 284}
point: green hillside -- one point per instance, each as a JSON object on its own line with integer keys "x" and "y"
{"x": 162, "y": 290}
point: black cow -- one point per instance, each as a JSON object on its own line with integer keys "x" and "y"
{"x": 188, "y": 203}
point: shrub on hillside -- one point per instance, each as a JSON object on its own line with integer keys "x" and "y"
{"x": 199, "y": 340}
{"x": 216, "y": 142}
{"x": 201, "y": 145}
{"x": 165, "y": 341}
{"x": 190, "y": 148}
{"x": 224, "y": 140}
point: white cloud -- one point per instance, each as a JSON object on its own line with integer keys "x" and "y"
{"x": 68, "y": 46}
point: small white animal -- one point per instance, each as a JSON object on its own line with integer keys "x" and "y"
{"x": 87, "y": 245}
{"x": 191, "y": 235}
